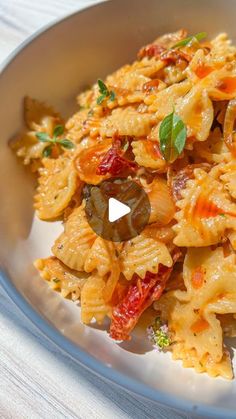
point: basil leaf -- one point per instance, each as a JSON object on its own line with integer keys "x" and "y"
{"x": 112, "y": 96}
{"x": 67, "y": 143}
{"x": 172, "y": 134}
{"x": 100, "y": 99}
{"x": 103, "y": 88}
{"x": 198, "y": 37}
{"x": 47, "y": 151}
{"x": 58, "y": 130}
{"x": 43, "y": 137}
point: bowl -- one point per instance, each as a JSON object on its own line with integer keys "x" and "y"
{"x": 53, "y": 66}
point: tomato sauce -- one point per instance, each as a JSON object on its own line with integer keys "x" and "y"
{"x": 151, "y": 86}
{"x": 198, "y": 278}
{"x": 88, "y": 161}
{"x": 152, "y": 148}
{"x": 227, "y": 85}
{"x": 203, "y": 70}
{"x": 204, "y": 208}
{"x": 199, "y": 326}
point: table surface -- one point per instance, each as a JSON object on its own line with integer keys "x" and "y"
{"x": 36, "y": 379}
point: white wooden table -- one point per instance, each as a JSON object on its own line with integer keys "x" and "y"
{"x": 36, "y": 379}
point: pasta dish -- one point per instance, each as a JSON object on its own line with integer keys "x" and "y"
{"x": 166, "y": 122}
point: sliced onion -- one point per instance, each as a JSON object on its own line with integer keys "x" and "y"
{"x": 162, "y": 205}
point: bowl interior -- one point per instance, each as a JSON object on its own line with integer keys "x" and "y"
{"x": 54, "y": 67}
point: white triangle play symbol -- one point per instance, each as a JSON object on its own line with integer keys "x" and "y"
{"x": 116, "y": 209}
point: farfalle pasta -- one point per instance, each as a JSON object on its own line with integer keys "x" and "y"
{"x": 167, "y": 122}
{"x": 210, "y": 279}
{"x": 58, "y": 182}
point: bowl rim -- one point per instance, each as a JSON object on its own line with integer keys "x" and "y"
{"x": 62, "y": 342}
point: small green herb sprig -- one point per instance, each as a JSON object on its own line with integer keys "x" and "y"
{"x": 158, "y": 334}
{"x": 43, "y": 137}
{"x": 172, "y": 134}
{"x": 105, "y": 93}
{"x": 190, "y": 39}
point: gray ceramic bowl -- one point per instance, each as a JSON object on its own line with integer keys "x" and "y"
{"x": 53, "y": 66}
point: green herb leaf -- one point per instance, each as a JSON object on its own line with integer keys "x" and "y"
{"x": 56, "y": 280}
{"x": 222, "y": 215}
{"x": 112, "y": 96}
{"x": 43, "y": 137}
{"x": 67, "y": 143}
{"x": 47, "y": 151}
{"x": 159, "y": 334}
{"x": 103, "y": 88}
{"x": 105, "y": 93}
{"x": 194, "y": 38}
{"x": 162, "y": 339}
{"x": 172, "y": 134}
{"x": 58, "y": 130}
{"x": 100, "y": 99}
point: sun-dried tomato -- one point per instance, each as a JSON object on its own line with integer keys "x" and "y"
{"x": 178, "y": 181}
{"x": 151, "y": 86}
{"x": 140, "y": 295}
{"x": 88, "y": 159}
{"x": 173, "y": 56}
{"x": 151, "y": 50}
{"x": 114, "y": 161}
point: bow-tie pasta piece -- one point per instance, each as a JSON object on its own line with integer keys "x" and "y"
{"x": 147, "y": 154}
{"x": 210, "y": 280}
{"x": 213, "y": 150}
{"x": 38, "y": 118}
{"x": 57, "y": 184}
{"x": 163, "y": 102}
{"x": 128, "y": 122}
{"x": 228, "y": 177}
{"x": 128, "y": 87}
{"x": 144, "y": 254}
{"x": 206, "y": 213}
{"x": 103, "y": 258}
{"x": 196, "y": 111}
{"x": 61, "y": 278}
{"x": 222, "y": 49}
{"x": 73, "y": 245}
{"x": 77, "y": 126}
{"x": 93, "y": 305}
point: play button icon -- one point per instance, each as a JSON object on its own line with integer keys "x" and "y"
{"x": 117, "y": 209}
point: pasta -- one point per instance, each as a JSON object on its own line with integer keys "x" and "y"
{"x": 167, "y": 123}
{"x": 142, "y": 255}
{"x": 102, "y": 257}
{"x": 93, "y": 304}
{"x": 73, "y": 246}
{"x": 38, "y": 118}
{"x": 147, "y": 154}
{"x": 209, "y": 278}
{"x": 206, "y": 212}
{"x": 68, "y": 282}
{"x": 57, "y": 185}
{"x": 127, "y": 122}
